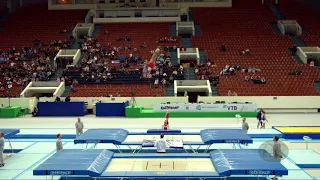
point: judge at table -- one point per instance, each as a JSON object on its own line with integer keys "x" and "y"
{"x": 161, "y": 144}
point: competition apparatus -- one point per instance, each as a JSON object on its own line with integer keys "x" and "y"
{"x": 106, "y": 164}
{"x": 118, "y": 137}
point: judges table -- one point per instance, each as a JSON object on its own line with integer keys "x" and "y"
{"x": 10, "y": 112}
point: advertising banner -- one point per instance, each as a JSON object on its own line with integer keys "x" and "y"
{"x": 181, "y": 107}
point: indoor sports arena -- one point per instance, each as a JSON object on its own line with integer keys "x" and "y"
{"x": 150, "y": 89}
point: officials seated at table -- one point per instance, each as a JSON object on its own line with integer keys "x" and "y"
{"x": 161, "y": 144}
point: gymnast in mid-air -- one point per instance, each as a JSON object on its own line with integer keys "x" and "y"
{"x": 152, "y": 62}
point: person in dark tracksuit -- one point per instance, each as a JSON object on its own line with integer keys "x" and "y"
{"x": 259, "y": 118}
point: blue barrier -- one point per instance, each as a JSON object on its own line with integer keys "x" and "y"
{"x": 61, "y": 109}
{"x": 111, "y": 109}
{"x": 92, "y": 162}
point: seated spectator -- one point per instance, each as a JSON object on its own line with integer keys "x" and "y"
{"x": 67, "y": 99}
{"x": 223, "y": 48}
{"x": 156, "y": 82}
{"x": 58, "y": 99}
{"x": 296, "y": 72}
{"x": 118, "y": 94}
{"x": 247, "y": 51}
{"x": 196, "y": 70}
{"x": 237, "y": 67}
{"x": 247, "y": 78}
{"x": 127, "y": 38}
{"x": 312, "y": 63}
{"x": 230, "y": 93}
{"x": 234, "y": 94}
{"x": 34, "y": 112}
{"x": 144, "y": 45}
{"x": 105, "y": 32}
{"x": 164, "y": 82}
{"x": 72, "y": 89}
{"x": 294, "y": 50}
{"x": 232, "y": 70}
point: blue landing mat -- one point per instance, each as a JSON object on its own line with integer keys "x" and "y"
{"x": 211, "y": 136}
{"x": 305, "y": 158}
{"x": 92, "y": 162}
{"x": 9, "y": 132}
{"x": 229, "y": 162}
{"x": 114, "y": 136}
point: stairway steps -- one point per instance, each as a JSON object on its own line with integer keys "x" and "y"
{"x": 173, "y": 29}
{"x": 170, "y": 90}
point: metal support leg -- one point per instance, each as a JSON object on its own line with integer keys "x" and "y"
{"x": 198, "y": 148}
{"x": 134, "y": 151}
{"x": 10, "y": 146}
{"x": 207, "y": 148}
{"x": 118, "y": 148}
{"x": 192, "y": 149}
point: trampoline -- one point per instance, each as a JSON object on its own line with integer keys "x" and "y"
{"x": 208, "y": 137}
{"x": 104, "y": 163}
{"x": 8, "y": 133}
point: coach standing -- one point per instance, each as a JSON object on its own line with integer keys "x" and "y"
{"x": 259, "y": 117}
{"x": 245, "y": 127}
{"x": 79, "y": 127}
{"x": 277, "y": 154}
{"x": 1, "y": 149}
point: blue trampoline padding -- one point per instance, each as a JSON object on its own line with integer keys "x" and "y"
{"x": 167, "y": 133}
{"x": 212, "y": 136}
{"x": 159, "y": 131}
{"x": 164, "y": 155}
{"x": 114, "y": 136}
{"x": 229, "y": 162}
{"x": 160, "y": 174}
{"x": 9, "y": 132}
{"x": 92, "y": 162}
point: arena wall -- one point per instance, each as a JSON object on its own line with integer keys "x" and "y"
{"x": 269, "y": 103}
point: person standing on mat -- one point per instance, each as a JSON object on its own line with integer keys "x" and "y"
{"x": 277, "y": 154}
{"x": 245, "y": 127}
{"x": 79, "y": 127}
{"x": 59, "y": 142}
{"x": 259, "y": 116}
{"x": 161, "y": 144}
{"x": 1, "y": 149}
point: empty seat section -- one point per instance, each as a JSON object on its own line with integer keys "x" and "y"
{"x": 125, "y": 90}
{"x": 248, "y": 27}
